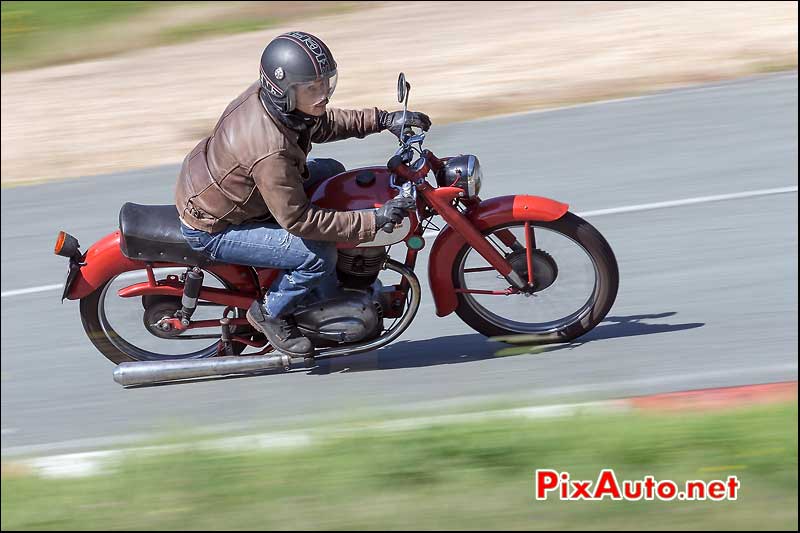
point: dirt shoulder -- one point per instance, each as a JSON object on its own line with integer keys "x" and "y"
{"x": 470, "y": 59}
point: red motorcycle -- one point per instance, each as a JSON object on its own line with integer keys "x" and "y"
{"x": 511, "y": 265}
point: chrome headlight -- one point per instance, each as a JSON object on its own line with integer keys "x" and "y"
{"x": 462, "y": 171}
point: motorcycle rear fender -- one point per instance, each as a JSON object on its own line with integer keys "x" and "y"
{"x": 104, "y": 260}
{"x": 487, "y": 214}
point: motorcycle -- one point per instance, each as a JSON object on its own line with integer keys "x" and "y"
{"x": 507, "y": 266}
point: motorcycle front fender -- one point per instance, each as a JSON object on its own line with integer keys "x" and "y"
{"x": 487, "y": 214}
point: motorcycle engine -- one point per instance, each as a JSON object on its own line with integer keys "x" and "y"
{"x": 358, "y": 268}
{"x": 355, "y": 314}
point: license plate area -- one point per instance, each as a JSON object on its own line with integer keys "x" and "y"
{"x": 72, "y": 273}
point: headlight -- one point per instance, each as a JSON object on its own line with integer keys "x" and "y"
{"x": 462, "y": 171}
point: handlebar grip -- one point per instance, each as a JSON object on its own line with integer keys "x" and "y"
{"x": 436, "y": 163}
{"x": 394, "y": 163}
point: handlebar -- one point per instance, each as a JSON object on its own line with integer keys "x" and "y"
{"x": 397, "y": 166}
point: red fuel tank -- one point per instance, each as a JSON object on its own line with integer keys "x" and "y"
{"x": 361, "y": 188}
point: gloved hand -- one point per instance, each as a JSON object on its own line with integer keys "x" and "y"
{"x": 394, "y": 121}
{"x": 393, "y": 211}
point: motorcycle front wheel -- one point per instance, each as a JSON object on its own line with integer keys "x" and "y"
{"x": 575, "y": 284}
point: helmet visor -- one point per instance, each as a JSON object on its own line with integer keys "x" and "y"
{"x": 316, "y": 91}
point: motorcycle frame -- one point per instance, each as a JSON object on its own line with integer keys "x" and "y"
{"x": 105, "y": 259}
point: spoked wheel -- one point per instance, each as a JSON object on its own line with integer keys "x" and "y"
{"x": 575, "y": 281}
{"x": 123, "y": 328}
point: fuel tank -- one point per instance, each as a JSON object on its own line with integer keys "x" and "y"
{"x": 363, "y": 188}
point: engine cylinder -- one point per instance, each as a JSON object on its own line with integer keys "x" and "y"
{"x": 358, "y": 268}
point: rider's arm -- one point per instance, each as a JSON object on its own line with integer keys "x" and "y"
{"x": 338, "y": 124}
{"x": 281, "y": 185}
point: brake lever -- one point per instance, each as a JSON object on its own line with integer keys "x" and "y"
{"x": 407, "y": 190}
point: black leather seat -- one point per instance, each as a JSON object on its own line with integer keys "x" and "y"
{"x": 153, "y": 233}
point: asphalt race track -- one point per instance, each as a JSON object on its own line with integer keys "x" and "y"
{"x": 708, "y": 293}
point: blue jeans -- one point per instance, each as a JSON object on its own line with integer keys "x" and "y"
{"x": 309, "y": 266}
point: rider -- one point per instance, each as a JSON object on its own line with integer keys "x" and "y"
{"x": 241, "y": 191}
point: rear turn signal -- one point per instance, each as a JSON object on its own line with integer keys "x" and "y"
{"x": 66, "y": 245}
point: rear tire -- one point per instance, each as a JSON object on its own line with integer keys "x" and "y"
{"x": 90, "y": 317}
{"x": 594, "y": 244}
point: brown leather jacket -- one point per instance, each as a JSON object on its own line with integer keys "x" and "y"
{"x": 252, "y": 168}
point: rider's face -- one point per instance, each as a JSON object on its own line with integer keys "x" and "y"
{"x": 312, "y": 98}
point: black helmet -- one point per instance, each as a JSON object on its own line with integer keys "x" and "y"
{"x": 291, "y": 59}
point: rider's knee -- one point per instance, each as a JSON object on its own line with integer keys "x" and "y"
{"x": 322, "y": 257}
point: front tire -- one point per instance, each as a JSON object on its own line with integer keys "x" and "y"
{"x": 594, "y": 245}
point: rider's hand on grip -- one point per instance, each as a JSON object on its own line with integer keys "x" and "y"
{"x": 394, "y": 121}
{"x": 393, "y": 212}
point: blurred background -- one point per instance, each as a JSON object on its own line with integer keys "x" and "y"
{"x": 96, "y": 87}
{"x": 670, "y": 126}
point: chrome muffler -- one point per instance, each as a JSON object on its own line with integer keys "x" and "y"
{"x": 146, "y": 372}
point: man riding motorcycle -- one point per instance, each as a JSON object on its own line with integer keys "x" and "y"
{"x": 241, "y": 191}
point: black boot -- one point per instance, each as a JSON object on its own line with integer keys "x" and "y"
{"x": 282, "y": 333}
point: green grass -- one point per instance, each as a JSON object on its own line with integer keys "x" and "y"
{"x": 768, "y": 67}
{"x": 30, "y": 28}
{"x": 36, "y": 34}
{"x": 467, "y": 476}
{"x": 23, "y": 18}
{"x": 190, "y": 32}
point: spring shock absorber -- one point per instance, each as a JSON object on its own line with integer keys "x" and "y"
{"x": 191, "y": 290}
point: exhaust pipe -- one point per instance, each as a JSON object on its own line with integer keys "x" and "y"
{"x": 145, "y": 372}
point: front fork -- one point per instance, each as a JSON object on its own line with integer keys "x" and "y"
{"x": 440, "y": 200}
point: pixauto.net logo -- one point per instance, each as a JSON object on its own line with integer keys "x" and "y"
{"x": 607, "y": 486}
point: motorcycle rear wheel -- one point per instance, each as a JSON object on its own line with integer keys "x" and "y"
{"x": 119, "y": 350}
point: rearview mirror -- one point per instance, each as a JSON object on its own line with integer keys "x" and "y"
{"x": 403, "y": 88}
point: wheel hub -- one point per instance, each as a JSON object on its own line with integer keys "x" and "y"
{"x": 156, "y": 312}
{"x": 545, "y": 269}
